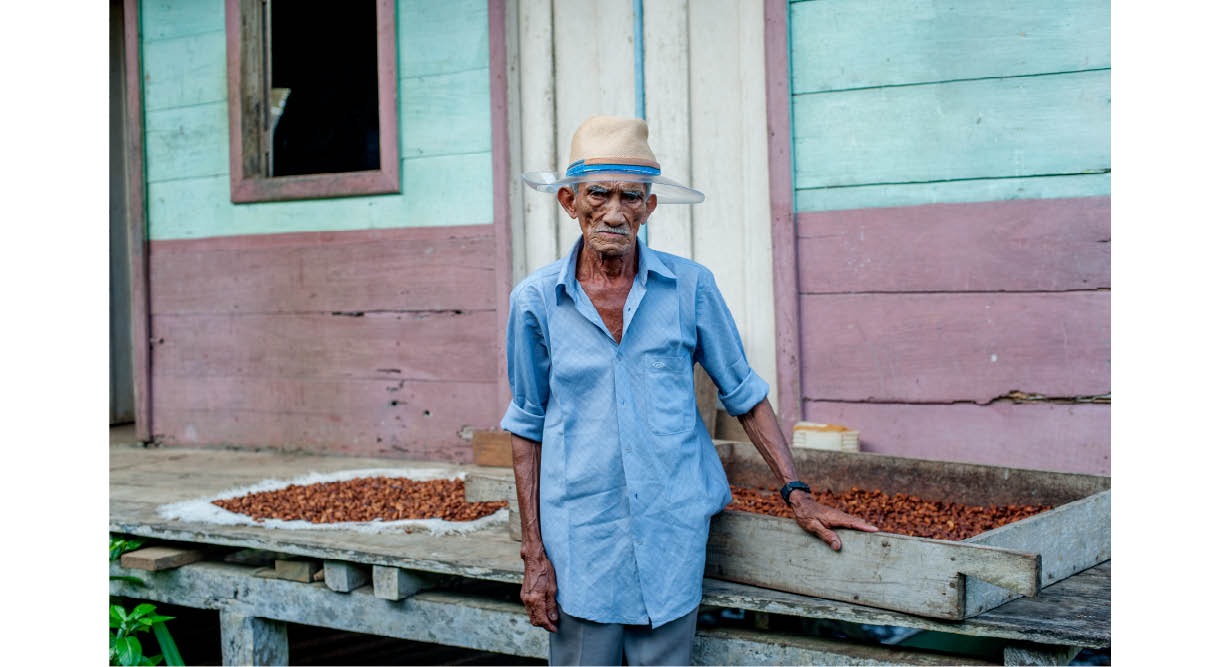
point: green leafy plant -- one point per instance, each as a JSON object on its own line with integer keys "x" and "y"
{"x": 118, "y": 547}
{"x": 125, "y": 647}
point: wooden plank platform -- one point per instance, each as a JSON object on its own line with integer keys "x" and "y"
{"x": 941, "y": 579}
{"x": 458, "y": 619}
{"x": 1073, "y": 612}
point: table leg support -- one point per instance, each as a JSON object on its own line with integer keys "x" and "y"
{"x": 248, "y": 640}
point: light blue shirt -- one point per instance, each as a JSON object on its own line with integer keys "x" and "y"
{"x": 630, "y": 478}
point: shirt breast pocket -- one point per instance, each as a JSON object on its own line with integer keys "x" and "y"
{"x": 671, "y": 393}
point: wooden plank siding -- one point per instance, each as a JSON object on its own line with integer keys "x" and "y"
{"x": 359, "y": 417}
{"x": 994, "y": 128}
{"x": 931, "y": 40}
{"x": 415, "y": 345}
{"x": 594, "y": 60}
{"x": 376, "y": 343}
{"x": 1022, "y": 245}
{"x": 966, "y": 190}
{"x": 1045, "y": 436}
{"x": 350, "y": 325}
{"x": 927, "y": 101}
{"x": 951, "y": 178}
{"x": 444, "y": 128}
{"x": 731, "y": 230}
{"x": 941, "y": 348}
{"x": 425, "y": 268}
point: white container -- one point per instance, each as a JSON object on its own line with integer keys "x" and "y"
{"x": 834, "y": 437}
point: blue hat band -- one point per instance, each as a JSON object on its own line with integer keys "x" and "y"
{"x": 579, "y": 167}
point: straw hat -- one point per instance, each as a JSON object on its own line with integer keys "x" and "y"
{"x": 608, "y": 148}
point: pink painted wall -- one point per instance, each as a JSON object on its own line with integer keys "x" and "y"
{"x": 374, "y": 343}
{"x": 917, "y": 322}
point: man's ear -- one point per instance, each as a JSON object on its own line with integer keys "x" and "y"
{"x": 568, "y": 201}
{"x": 651, "y": 204}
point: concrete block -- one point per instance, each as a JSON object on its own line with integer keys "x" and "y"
{"x": 392, "y": 583}
{"x": 344, "y": 577}
{"x": 249, "y": 640}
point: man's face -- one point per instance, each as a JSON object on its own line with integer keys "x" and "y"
{"x": 610, "y": 214}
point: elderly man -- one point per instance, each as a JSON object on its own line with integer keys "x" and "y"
{"x": 617, "y": 478}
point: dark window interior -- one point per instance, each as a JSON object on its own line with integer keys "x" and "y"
{"x": 323, "y": 92}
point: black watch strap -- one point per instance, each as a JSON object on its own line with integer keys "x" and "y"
{"x": 792, "y": 486}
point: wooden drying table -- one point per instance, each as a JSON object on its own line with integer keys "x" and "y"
{"x": 1066, "y": 616}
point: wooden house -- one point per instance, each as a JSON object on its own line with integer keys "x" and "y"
{"x": 907, "y": 212}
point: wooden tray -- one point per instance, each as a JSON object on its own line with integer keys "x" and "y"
{"x": 935, "y": 578}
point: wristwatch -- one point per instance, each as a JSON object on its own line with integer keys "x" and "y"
{"x": 792, "y": 486}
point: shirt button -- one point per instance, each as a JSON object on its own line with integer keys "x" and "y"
{"x": 628, "y": 449}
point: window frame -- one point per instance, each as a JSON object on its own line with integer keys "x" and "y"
{"x": 246, "y": 77}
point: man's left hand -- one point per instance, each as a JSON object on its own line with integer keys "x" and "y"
{"x": 819, "y": 519}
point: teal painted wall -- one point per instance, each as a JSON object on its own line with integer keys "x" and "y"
{"x": 444, "y": 127}
{"x": 907, "y": 102}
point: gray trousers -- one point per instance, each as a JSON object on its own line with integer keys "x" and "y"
{"x": 584, "y": 642}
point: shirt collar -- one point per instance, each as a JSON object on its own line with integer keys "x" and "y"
{"x": 650, "y": 262}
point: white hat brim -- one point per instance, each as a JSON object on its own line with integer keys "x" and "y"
{"x": 668, "y": 191}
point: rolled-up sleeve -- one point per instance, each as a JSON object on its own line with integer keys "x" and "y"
{"x": 720, "y": 352}
{"x": 529, "y": 366}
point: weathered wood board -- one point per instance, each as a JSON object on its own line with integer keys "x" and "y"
{"x": 940, "y": 347}
{"x": 935, "y": 578}
{"x": 1079, "y": 535}
{"x": 492, "y": 448}
{"x": 460, "y": 619}
{"x": 920, "y": 41}
{"x": 909, "y": 574}
{"x": 155, "y": 559}
{"x": 971, "y": 483}
{"x": 1071, "y": 437}
{"x": 1022, "y": 244}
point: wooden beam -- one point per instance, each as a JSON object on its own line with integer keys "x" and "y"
{"x": 297, "y": 570}
{"x": 455, "y": 619}
{"x": 155, "y": 559}
{"x": 490, "y": 486}
{"x": 785, "y": 272}
{"x": 734, "y": 646}
{"x": 137, "y": 237}
{"x": 502, "y": 181}
{"x": 1075, "y": 611}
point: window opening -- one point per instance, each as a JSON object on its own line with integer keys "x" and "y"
{"x": 313, "y": 99}
{"x": 321, "y": 97}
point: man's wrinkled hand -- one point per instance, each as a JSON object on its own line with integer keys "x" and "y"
{"x": 538, "y": 592}
{"x": 819, "y": 519}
